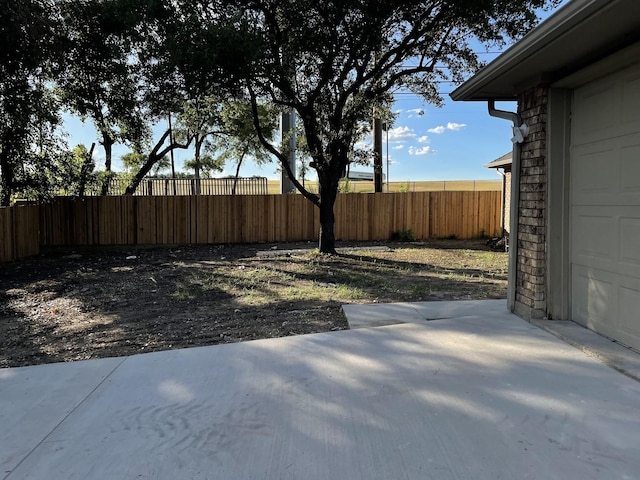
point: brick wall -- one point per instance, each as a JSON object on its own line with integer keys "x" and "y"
{"x": 530, "y": 268}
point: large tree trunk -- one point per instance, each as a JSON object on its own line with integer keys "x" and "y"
{"x": 235, "y": 179}
{"x": 107, "y": 143}
{"x": 154, "y": 157}
{"x": 85, "y": 170}
{"x": 6, "y": 181}
{"x": 199, "y": 141}
{"x": 328, "y": 189}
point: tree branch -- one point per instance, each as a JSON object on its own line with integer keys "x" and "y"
{"x": 281, "y": 158}
{"x": 153, "y": 158}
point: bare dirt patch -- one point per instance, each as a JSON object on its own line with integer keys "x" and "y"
{"x": 101, "y": 303}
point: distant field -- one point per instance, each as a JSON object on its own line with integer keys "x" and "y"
{"x": 426, "y": 186}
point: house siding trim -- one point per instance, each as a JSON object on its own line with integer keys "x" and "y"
{"x": 558, "y": 253}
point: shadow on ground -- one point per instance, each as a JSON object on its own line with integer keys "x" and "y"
{"x": 70, "y": 306}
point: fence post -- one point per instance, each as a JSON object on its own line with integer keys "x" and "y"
{"x": 153, "y": 220}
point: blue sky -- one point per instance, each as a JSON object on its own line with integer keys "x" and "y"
{"x": 448, "y": 143}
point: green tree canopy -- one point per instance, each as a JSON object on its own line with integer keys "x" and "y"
{"x": 333, "y": 62}
{"x": 241, "y": 139}
{"x": 101, "y": 79}
{"x": 224, "y": 131}
{"x": 29, "y": 119}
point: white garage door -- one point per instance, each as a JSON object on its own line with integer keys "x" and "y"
{"x": 605, "y": 206}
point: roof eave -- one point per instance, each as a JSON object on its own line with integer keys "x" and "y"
{"x": 570, "y": 15}
{"x": 498, "y": 165}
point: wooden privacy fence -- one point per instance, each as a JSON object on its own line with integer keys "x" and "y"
{"x": 176, "y": 220}
{"x": 241, "y": 219}
{"x": 264, "y": 218}
{"x": 19, "y": 232}
{"x": 426, "y": 214}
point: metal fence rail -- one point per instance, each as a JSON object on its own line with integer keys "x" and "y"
{"x": 188, "y": 186}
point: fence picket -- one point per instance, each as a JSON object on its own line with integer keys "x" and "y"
{"x": 19, "y": 232}
{"x": 157, "y": 220}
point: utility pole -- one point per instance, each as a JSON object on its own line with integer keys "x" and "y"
{"x": 288, "y": 124}
{"x": 377, "y": 142}
{"x": 377, "y": 154}
{"x": 173, "y": 164}
{"x": 288, "y": 133}
{"x": 385, "y": 126}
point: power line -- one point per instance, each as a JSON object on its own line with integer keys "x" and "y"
{"x": 408, "y": 94}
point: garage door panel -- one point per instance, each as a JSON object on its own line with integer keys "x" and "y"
{"x": 594, "y": 295}
{"x": 629, "y": 257}
{"x": 594, "y": 231}
{"x": 607, "y": 172}
{"x": 596, "y": 112}
{"x": 607, "y": 108}
{"x": 629, "y": 299}
{"x": 631, "y": 99}
{"x": 605, "y": 206}
{"x": 607, "y": 303}
{"x": 630, "y": 169}
{"x": 607, "y": 238}
{"x": 594, "y": 172}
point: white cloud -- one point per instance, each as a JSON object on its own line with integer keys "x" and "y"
{"x": 426, "y": 150}
{"x": 450, "y": 126}
{"x": 401, "y": 134}
{"x": 455, "y": 126}
{"x": 423, "y": 139}
{"x": 398, "y": 147}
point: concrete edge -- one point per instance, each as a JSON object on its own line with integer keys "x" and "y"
{"x": 371, "y": 315}
{"x": 613, "y": 354}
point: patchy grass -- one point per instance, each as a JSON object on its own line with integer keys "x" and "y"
{"x": 100, "y": 303}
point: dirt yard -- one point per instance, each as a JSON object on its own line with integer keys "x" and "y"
{"x": 68, "y": 306}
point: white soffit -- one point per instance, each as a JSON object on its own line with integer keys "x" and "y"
{"x": 580, "y": 33}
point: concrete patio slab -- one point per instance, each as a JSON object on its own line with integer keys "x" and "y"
{"x": 460, "y": 308}
{"x": 467, "y": 398}
{"x": 380, "y": 314}
{"x": 35, "y": 400}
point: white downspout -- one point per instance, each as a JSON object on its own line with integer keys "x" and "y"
{"x": 520, "y": 131}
